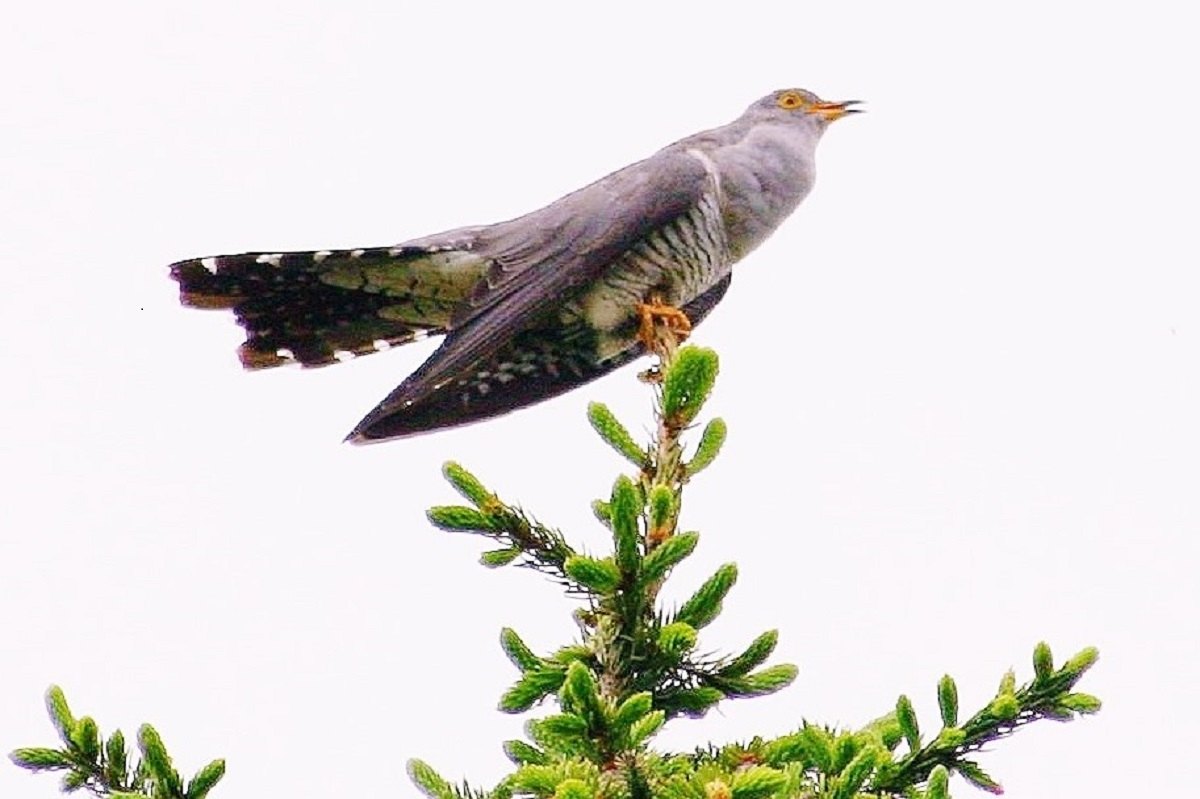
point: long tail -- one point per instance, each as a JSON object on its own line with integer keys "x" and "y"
{"x": 318, "y": 308}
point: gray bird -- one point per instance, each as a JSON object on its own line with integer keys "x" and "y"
{"x": 540, "y": 304}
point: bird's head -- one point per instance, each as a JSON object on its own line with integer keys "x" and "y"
{"x": 797, "y": 106}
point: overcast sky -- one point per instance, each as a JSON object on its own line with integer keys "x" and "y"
{"x": 962, "y": 381}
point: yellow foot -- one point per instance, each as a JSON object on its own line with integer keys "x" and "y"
{"x": 654, "y": 313}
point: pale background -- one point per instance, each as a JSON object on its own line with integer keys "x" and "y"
{"x": 962, "y": 382}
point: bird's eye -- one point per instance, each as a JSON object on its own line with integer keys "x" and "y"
{"x": 789, "y": 100}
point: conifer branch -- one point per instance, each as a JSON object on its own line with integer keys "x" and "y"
{"x": 1047, "y": 696}
{"x": 636, "y": 665}
{"x": 103, "y": 768}
{"x": 524, "y": 540}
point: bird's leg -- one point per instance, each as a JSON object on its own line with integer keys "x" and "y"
{"x": 661, "y": 326}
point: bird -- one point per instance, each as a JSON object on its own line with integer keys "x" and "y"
{"x": 540, "y": 304}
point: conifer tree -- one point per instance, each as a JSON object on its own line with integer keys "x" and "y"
{"x": 637, "y": 665}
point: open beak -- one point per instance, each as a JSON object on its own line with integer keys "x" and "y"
{"x": 832, "y": 111}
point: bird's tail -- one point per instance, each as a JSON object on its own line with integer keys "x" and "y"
{"x": 318, "y": 308}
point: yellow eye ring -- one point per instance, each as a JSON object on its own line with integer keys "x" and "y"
{"x": 789, "y": 100}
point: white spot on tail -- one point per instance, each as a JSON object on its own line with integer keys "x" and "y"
{"x": 394, "y": 251}
{"x": 269, "y": 258}
{"x": 209, "y": 263}
{"x": 285, "y": 353}
{"x": 343, "y": 355}
{"x": 381, "y": 345}
{"x": 321, "y": 255}
{"x": 357, "y": 253}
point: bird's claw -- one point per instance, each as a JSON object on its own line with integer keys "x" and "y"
{"x": 656, "y": 317}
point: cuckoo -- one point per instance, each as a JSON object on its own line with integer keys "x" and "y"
{"x": 538, "y": 305}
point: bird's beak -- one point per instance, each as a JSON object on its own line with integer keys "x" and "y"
{"x": 832, "y": 111}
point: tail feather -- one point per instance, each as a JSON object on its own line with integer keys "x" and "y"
{"x": 319, "y": 308}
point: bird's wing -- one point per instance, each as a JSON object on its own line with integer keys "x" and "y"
{"x": 454, "y": 407}
{"x": 539, "y": 259}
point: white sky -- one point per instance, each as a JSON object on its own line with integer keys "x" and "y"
{"x": 962, "y": 382}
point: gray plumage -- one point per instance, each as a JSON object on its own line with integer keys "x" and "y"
{"x": 540, "y": 304}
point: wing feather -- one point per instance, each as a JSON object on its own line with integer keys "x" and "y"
{"x": 543, "y": 257}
